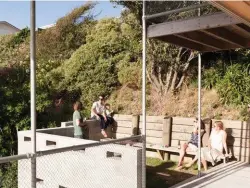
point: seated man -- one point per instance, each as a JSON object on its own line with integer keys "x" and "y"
{"x": 192, "y": 145}
{"x": 98, "y": 113}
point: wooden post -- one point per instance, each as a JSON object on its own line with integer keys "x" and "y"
{"x": 166, "y": 134}
{"x": 135, "y": 125}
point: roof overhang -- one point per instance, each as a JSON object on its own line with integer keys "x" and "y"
{"x": 208, "y": 33}
{"x": 238, "y": 9}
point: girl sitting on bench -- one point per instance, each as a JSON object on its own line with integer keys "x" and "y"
{"x": 192, "y": 145}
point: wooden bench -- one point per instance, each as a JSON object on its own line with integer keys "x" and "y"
{"x": 170, "y": 127}
{"x": 161, "y": 150}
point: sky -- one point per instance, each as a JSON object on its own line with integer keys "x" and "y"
{"x": 17, "y": 12}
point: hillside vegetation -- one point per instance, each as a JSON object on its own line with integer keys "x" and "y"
{"x": 81, "y": 58}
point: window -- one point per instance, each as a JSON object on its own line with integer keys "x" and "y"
{"x": 27, "y": 139}
{"x": 111, "y": 154}
{"x": 50, "y": 143}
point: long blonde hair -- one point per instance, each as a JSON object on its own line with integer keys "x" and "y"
{"x": 219, "y": 124}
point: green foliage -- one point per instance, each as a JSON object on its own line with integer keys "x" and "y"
{"x": 8, "y": 175}
{"x": 91, "y": 69}
{"x": 20, "y": 37}
{"x": 59, "y": 42}
{"x": 14, "y": 99}
{"x": 234, "y": 87}
{"x": 210, "y": 78}
{"x": 130, "y": 74}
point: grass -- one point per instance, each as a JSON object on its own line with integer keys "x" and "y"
{"x": 162, "y": 174}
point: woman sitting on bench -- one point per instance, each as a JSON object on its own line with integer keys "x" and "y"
{"x": 192, "y": 145}
{"x": 214, "y": 152}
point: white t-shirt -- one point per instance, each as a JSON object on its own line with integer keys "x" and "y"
{"x": 98, "y": 107}
{"x": 108, "y": 112}
{"x": 217, "y": 140}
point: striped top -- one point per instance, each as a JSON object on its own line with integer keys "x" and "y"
{"x": 194, "y": 139}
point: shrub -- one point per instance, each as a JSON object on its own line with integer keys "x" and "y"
{"x": 20, "y": 37}
{"x": 234, "y": 87}
{"x": 210, "y": 78}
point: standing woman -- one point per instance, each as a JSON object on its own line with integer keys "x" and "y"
{"x": 78, "y": 122}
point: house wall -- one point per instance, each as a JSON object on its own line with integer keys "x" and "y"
{"x": 6, "y": 29}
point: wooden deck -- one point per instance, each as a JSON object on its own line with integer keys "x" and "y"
{"x": 231, "y": 175}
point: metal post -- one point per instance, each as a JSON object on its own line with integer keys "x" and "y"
{"x": 33, "y": 88}
{"x": 144, "y": 96}
{"x": 199, "y": 114}
{"x": 199, "y": 107}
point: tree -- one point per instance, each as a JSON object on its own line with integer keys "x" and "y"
{"x": 92, "y": 68}
{"x": 168, "y": 65}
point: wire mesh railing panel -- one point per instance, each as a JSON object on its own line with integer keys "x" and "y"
{"x": 106, "y": 166}
{"x": 15, "y": 174}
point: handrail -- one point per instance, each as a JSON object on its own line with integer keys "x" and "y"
{"x": 83, "y": 146}
{"x": 147, "y": 17}
{"x": 15, "y": 157}
{"x": 64, "y": 149}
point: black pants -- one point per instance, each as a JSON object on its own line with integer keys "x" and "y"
{"x": 110, "y": 120}
{"x": 103, "y": 124}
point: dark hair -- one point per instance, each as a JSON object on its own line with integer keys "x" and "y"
{"x": 77, "y": 105}
{"x": 101, "y": 96}
{"x": 202, "y": 123}
{"x": 107, "y": 104}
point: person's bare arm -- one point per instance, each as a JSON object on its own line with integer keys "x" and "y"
{"x": 209, "y": 143}
{"x": 104, "y": 115}
{"x": 93, "y": 110}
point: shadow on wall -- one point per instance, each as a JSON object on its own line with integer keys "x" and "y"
{"x": 247, "y": 141}
{"x": 230, "y": 141}
{"x": 248, "y": 131}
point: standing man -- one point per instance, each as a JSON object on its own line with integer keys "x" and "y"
{"x": 98, "y": 113}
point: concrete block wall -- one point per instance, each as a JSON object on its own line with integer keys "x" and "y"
{"x": 94, "y": 130}
{"x": 106, "y": 166}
